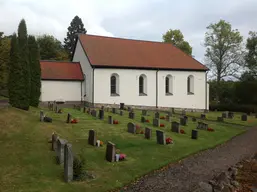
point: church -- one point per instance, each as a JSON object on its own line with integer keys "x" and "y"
{"x": 109, "y": 71}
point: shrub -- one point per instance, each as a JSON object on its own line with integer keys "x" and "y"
{"x": 79, "y": 172}
{"x": 233, "y": 107}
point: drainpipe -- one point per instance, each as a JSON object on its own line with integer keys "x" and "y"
{"x": 93, "y": 87}
{"x": 81, "y": 91}
{"x": 206, "y": 90}
{"x": 157, "y": 88}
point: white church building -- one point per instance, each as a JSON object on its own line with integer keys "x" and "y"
{"x": 107, "y": 70}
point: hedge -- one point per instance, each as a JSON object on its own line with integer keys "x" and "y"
{"x": 233, "y": 107}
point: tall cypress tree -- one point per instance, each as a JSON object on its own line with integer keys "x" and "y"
{"x": 76, "y": 27}
{"x": 24, "y": 62}
{"x": 35, "y": 71}
{"x": 15, "y": 74}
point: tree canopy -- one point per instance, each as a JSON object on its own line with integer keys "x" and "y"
{"x": 177, "y": 38}
{"x": 251, "y": 56}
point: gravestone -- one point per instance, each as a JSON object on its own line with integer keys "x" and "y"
{"x": 41, "y": 117}
{"x": 169, "y": 113}
{"x": 110, "y": 152}
{"x": 129, "y": 109}
{"x": 56, "y": 108}
{"x": 92, "y": 137}
{"x": 183, "y": 121}
{"x": 144, "y": 112}
{"x": 101, "y": 114}
{"x": 48, "y": 104}
{"x": 175, "y": 127}
{"x": 148, "y": 133}
{"x": 60, "y": 150}
{"x": 183, "y": 112}
{"x": 157, "y": 115}
{"x": 194, "y": 134}
{"x": 230, "y": 115}
{"x": 202, "y": 126}
{"x": 48, "y": 119}
{"x": 121, "y": 113}
{"x": 220, "y": 119}
{"x": 203, "y": 116}
{"x": 131, "y": 128}
{"x": 173, "y": 110}
{"x": 131, "y": 115}
{"x": 225, "y": 115}
{"x": 89, "y": 111}
{"x": 160, "y": 137}
{"x": 110, "y": 120}
{"x": 68, "y": 118}
{"x": 142, "y": 119}
{"x": 244, "y": 117}
{"x": 102, "y": 107}
{"x": 156, "y": 122}
{"x": 193, "y": 119}
{"x": 84, "y": 109}
{"x": 68, "y": 163}
{"x": 122, "y": 106}
{"x": 114, "y": 110}
{"x": 94, "y": 113}
{"x": 54, "y": 141}
{"x": 168, "y": 118}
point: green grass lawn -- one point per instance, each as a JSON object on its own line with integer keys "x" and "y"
{"x": 3, "y": 98}
{"x": 28, "y": 164}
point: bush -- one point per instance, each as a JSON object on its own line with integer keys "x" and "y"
{"x": 233, "y": 107}
{"x": 78, "y": 168}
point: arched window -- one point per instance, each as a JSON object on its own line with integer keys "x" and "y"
{"x": 142, "y": 85}
{"x": 190, "y": 84}
{"x": 168, "y": 85}
{"x": 114, "y": 84}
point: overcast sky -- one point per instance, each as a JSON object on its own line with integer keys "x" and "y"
{"x": 137, "y": 19}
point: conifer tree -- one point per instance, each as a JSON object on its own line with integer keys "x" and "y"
{"x": 35, "y": 71}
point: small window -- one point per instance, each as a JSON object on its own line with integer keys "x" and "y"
{"x": 190, "y": 85}
{"x": 168, "y": 85}
{"x": 114, "y": 85}
{"x": 142, "y": 85}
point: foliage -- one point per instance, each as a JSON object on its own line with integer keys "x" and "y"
{"x": 177, "y": 38}
{"x": 224, "y": 49}
{"x": 76, "y": 27}
{"x": 233, "y": 107}
{"x": 5, "y": 46}
{"x": 251, "y": 56}
{"x": 51, "y": 48}
{"x": 79, "y": 172}
{"x": 35, "y": 71}
{"x": 15, "y": 73}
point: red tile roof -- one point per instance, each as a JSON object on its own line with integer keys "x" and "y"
{"x": 116, "y": 52}
{"x": 59, "y": 70}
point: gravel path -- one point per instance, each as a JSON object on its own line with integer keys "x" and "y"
{"x": 185, "y": 176}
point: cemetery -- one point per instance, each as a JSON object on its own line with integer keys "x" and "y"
{"x": 116, "y": 148}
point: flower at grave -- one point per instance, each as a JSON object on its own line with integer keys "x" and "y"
{"x": 117, "y": 151}
{"x": 141, "y": 132}
{"x": 162, "y": 125}
{"x": 147, "y": 121}
{"x": 182, "y": 131}
{"x": 59, "y": 111}
{"x": 210, "y": 129}
{"x": 122, "y": 156}
{"x": 162, "y": 117}
{"x": 169, "y": 140}
{"x": 74, "y": 121}
{"x": 137, "y": 126}
{"x": 115, "y": 122}
{"x": 101, "y": 143}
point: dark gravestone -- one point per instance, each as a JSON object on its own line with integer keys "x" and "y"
{"x": 203, "y": 116}
{"x": 68, "y": 163}
{"x": 220, "y": 119}
{"x": 54, "y": 141}
{"x": 160, "y": 137}
{"x": 183, "y": 121}
{"x": 244, "y": 117}
{"x": 129, "y": 109}
{"x": 173, "y": 110}
{"x": 48, "y": 119}
{"x": 131, "y": 128}
{"x": 157, "y": 115}
{"x": 114, "y": 110}
{"x": 68, "y": 118}
{"x": 142, "y": 119}
{"x": 131, "y": 115}
{"x": 144, "y": 112}
{"x": 183, "y": 112}
{"x": 110, "y": 120}
{"x": 92, "y": 138}
{"x": 101, "y": 114}
{"x": 121, "y": 113}
{"x": 193, "y": 119}
{"x": 194, "y": 134}
{"x": 122, "y": 105}
{"x": 60, "y": 150}
{"x": 94, "y": 113}
{"x": 175, "y": 127}
{"x": 41, "y": 117}
{"x": 110, "y": 152}
{"x": 156, "y": 122}
{"x": 202, "y": 126}
{"x": 102, "y": 107}
{"x": 230, "y": 115}
{"x": 168, "y": 118}
{"x": 84, "y": 109}
{"x": 225, "y": 115}
{"x": 52, "y": 107}
{"x": 148, "y": 133}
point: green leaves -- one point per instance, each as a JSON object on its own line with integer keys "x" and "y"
{"x": 251, "y": 56}
{"x": 177, "y": 38}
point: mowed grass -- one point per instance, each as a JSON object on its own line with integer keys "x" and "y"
{"x": 28, "y": 164}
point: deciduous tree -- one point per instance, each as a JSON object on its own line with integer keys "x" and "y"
{"x": 251, "y": 56}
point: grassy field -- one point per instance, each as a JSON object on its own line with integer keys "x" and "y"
{"x": 28, "y": 164}
{"x": 3, "y": 98}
